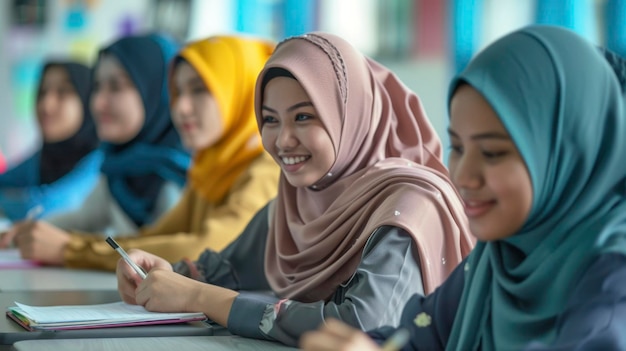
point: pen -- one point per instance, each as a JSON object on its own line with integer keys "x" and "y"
{"x": 397, "y": 340}
{"x": 33, "y": 213}
{"x": 126, "y": 258}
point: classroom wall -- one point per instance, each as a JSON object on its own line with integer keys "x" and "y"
{"x": 72, "y": 28}
{"x": 423, "y": 41}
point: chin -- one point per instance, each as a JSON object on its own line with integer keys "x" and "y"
{"x": 299, "y": 183}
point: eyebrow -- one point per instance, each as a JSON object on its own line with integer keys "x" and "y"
{"x": 486, "y": 135}
{"x": 296, "y": 106}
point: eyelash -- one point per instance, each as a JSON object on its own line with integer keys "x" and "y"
{"x": 300, "y": 117}
{"x": 306, "y": 117}
{"x": 486, "y": 154}
{"x": 268, "y": 119}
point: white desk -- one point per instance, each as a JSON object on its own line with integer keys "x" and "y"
{"x": 193, "y": 343}
{"x": 55, "y": 278}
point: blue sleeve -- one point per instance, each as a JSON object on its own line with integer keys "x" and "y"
{"x": 65, "y": 194}
{"x": 595, "y": 316}
{"x": 429, "y": 318}
{"x": 24, "y": 174}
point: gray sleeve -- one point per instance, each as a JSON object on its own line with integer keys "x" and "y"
{"x": 386, "y": 278}
{"x": 92, "y": 216}
{"x": 240, "y": 266}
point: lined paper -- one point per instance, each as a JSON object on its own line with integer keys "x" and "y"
{"x": 116, "y": 312}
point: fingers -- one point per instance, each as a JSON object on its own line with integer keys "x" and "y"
{"x": 336, "y": 336}
{"x": 126, "y": 282}
{"x": 152, "y": 293}
{"x": 11, "y": 235}
{"x": 21, "y": 232}
{"x": 6, "y": 238}
{"x": 319, "y": 341}
{"x": 148, "y": 261}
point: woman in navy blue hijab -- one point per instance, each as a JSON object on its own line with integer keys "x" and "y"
{"x": 138, "y": 167}
{"x": 145, "y": 164}
{"x": 59, "y": 176}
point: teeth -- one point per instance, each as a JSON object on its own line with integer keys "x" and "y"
{"x": 293, "y": 160}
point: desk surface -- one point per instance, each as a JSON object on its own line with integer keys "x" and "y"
{"x": 54, "y": 278}
{"x": 11, "y": 332}
{"x": 213, "y": 343}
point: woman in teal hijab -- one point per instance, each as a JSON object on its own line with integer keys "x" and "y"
{"x": 538, "y": 133}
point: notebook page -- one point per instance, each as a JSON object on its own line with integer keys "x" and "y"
{"x": 10, "y": 258}
{"x": 116, "y": 311}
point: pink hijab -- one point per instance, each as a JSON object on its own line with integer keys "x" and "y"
{"x": 388, "y": 171}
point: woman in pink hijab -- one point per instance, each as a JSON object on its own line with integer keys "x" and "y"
{"x": 365, "y": 215}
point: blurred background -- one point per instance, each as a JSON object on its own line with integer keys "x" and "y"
{"x": 423, "y": 41}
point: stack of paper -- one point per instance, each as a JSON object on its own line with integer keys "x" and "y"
{"x": 117, "y": 314}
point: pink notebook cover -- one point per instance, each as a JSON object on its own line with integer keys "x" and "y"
{"x": 10, "y": 258}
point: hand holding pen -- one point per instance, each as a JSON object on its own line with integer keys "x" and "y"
{"x": 140, "y": 271}
{"x": 7, "y": 238}
{"x": 335, "y": 335}
{"x": 128, "y": 278}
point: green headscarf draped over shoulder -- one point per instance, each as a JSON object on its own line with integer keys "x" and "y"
{"x": 560, "y": 102}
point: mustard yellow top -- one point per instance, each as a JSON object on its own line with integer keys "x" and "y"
{"x": 193, "y": 225}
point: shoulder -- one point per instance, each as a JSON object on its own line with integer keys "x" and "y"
{"x": 387, "y": 237}
{"x": 605, "y": 276}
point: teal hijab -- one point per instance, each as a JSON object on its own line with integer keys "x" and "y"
{"x": 560, "y": 102}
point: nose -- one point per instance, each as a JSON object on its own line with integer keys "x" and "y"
{"x": 286, "y": 139}
{"x": 47, "y": 101}
{"x": 183, "y": 106}
{"x": 98, "y": 102}
{"x": 466, "y": 172}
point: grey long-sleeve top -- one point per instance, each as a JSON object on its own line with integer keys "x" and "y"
{"x": 374, "y": 296}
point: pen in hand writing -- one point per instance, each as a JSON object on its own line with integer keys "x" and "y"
{"x": 31, "y": 216}
{"x": 397, "y": 340}
{"x": 33, "y": 213}
{"x": 126, "y": 258}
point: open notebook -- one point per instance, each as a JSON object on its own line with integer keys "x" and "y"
{"x": 116, "y": 314}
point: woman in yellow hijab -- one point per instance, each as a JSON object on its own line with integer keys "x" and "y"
{"x": 212, "y": 100}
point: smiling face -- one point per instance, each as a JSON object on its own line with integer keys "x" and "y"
{"x": 195, "y": 112}
{"x": 59, "y": 108}
{"x": 486, "y": 168}
{"x": 115, "y": 102}
{"x": 293, "y": 133}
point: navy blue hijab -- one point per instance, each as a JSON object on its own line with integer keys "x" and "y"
{"x": 59, "y": 158}
{"x": 137, "y": 169}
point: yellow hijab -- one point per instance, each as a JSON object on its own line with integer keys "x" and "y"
{"x": 229, "y": 67}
